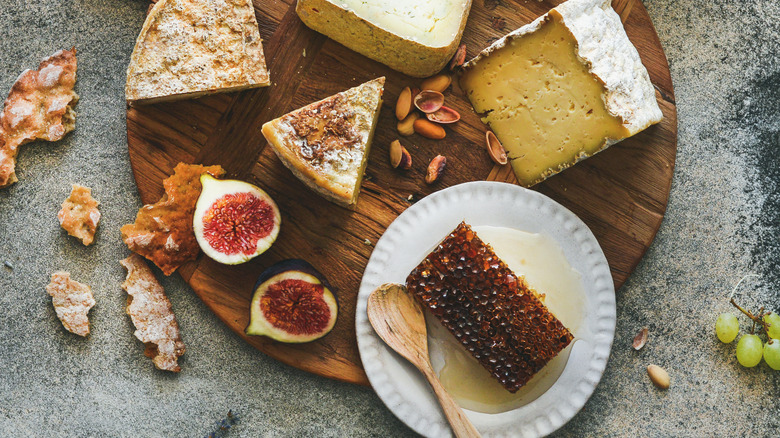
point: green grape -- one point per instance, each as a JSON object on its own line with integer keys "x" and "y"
{"x": 772, "y": 354}
{"x": 727, "y": 327}
{"x": 774, "y": 329}
{"x": 749, "y": 350}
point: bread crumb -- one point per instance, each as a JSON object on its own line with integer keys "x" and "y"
{"x": 39, "y": 106}
{"x": 151, "y": 313}
{"x": 72, "y": 301}
{"x": 79, "y": 215}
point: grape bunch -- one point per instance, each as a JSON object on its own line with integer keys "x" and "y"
{"x": 750, "y": 348}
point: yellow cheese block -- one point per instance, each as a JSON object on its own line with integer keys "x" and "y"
{"x": 539, "y": 90}
{"x": 414, "y": 37}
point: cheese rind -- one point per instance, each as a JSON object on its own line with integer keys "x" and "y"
{"x": 561, "y": 88}
{"x": 190, "y": 48}
{"x": 413, "y": 37}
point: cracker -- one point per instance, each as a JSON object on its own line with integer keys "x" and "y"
{"x": 39, "y": 107}
{"x": 72, "y": 301}
{"x": 151, "y": 313}
{"x": 79, "y": 215}
{"x": 162, "y": 232}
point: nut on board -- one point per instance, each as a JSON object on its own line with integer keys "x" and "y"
{"x": 399, "y": 156}
{"x": 436, "y": 168}
{"x": 429, "y": 129}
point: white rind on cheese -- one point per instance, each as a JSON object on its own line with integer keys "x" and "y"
{"x": 414, "y": 37}
{"x": 605, "y": 47}
{"x": 189, "y": 48}
{"x": 432, "y": 23}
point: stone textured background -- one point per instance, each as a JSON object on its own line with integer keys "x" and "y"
{"x": 723, "y": 222}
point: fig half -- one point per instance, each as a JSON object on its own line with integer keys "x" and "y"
{"x": 292, "y": 303}
{"x": 234, "y": 221}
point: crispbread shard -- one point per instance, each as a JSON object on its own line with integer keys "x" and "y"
{"x": 495, "y": 315}
{"x": 39, "y": 107}
{"x": 326, "y": 144}
{"x": 162, "y": 232}
{"x": 79, "y": 215}
{"x": 151, "y": 313}
{"x": 72, "y": 301}
{"x": 189, "y": 48}
{"x": 562, "y": 88}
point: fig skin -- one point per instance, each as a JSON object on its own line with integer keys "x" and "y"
{"x": 213, "y": 190}
{"x": 294, "y": 269}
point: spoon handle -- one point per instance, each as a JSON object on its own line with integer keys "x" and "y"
{"x": 460, "y": 423}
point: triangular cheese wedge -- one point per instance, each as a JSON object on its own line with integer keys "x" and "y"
{"x": 188, "y": 48}
{"x": 326, "y": 144}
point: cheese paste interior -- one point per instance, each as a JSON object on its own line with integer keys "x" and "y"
{"x": 433, "y": 23}
{"x": 542, "y": 102}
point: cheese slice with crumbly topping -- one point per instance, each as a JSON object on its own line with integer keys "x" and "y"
{"x": 152, "y": 314}
{"x": 72, "y": 301}
{"x": 561, "y": 88}
{"x": 189, "y": 48}
{"x": 326, "y": 144}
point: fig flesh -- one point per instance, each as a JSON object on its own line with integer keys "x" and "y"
{"x": 292, "y": 303}
{"x": 234, "y": 221}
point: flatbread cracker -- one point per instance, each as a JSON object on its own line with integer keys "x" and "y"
{"x": 79, "y": 215}
{"x": 162, "y": 232}
{"x": 39, "y": 107}
{"x": 151, "y": 313}
{"x": 72, "y": 301}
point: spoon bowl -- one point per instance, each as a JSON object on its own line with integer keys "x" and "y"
{"x": 399, "y": 321}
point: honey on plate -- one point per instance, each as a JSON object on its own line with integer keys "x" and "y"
{"x": 490, "y": 310}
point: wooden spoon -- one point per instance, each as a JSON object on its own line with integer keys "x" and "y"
{"x": 399, "y": 321}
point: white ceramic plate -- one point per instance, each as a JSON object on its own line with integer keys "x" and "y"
{"x": 409, "y": 239}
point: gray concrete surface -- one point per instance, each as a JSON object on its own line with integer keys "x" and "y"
{"x": 723, "y": 222}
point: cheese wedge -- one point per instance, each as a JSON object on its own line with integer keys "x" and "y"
{"x": 189, "y": 48}
{"x": 326, "y": 144}
{"x": 414, "y": 37}
{"x": 561, "y": 88}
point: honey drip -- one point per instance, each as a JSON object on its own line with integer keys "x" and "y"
{"x": 547, "y": 270}
{"x": 491, "y": 311}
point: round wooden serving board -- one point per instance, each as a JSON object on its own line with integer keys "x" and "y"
{"x": 620, "y": 193}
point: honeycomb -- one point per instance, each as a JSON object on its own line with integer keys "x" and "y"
{"x": 497, "y": 317}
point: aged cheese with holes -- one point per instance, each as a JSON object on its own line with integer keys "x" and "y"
{"x": 561, "y": 88}
{"x": 188, "y": 48}
{"x": 414, "y": 37}
{"x": 326, "y": 144}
